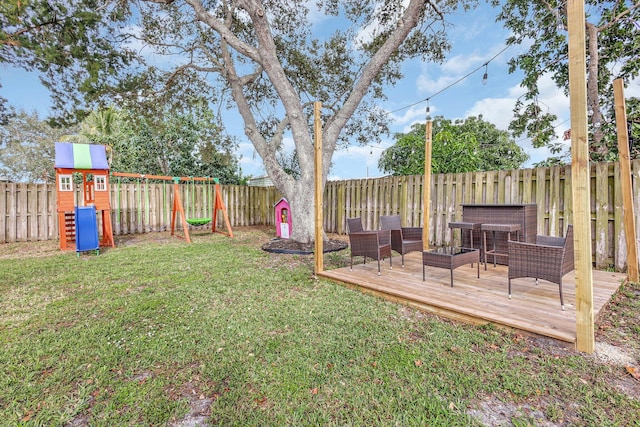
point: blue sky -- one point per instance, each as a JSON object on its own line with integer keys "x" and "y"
{"x": 475, "y": 38}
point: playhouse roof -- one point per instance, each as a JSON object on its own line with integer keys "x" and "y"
{"x": 283, "y": 200}
{"x": 81, "y": 156}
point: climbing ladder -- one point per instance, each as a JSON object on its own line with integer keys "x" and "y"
{"x": 70, "y": 229}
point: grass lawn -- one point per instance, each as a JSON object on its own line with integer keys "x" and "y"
{"x": 219, "y": 332}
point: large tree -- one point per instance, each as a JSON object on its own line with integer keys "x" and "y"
{"x": 275, "y": 66}
{"x": 472, "y": 144}
{"x": 274, "y": 61}
{"x": 613, "y": 51}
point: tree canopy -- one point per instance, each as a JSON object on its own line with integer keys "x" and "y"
{"x": 27, "y": 148}
{"x": 78, "y": 47}
{"x": 271, "y": 59}
{"x": 613, "y": 51}
{"x": 184, "y": 145}
{"x": 472, "y": 144}
{"x": 175, "y": 145}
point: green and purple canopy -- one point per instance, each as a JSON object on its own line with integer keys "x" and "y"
{"x": 81, "y": 156}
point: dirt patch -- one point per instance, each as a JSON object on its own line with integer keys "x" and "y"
{"x": 38, "y": 249}
{"x": 493, "y": 412}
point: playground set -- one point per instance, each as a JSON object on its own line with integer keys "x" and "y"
{"x": 79, "y": 217}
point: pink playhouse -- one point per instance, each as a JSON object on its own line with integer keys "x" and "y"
{"x": 283, "y": 218}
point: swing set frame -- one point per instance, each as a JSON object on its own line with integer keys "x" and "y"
{"x": 178, "y": 207}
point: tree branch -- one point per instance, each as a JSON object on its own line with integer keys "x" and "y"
{"x": 223, "y": 30}
{"x": 412, "y": 15}
{"x": 618, "y": 17}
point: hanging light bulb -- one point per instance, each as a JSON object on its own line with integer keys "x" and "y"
{"x": 559, "y": 14}
{"x": 485, "y": 76}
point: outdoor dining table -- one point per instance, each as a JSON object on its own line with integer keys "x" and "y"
{"x": 500, "y": 228}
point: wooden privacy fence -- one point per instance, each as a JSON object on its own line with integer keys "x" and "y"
{"x": 28, "y": 211}
{"x": 549, "y": 188}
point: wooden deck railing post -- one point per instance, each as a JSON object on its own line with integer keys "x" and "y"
{"x": 625, "y": 181}
{"x": 319, "y": 233}
{"x": 585, "y": 338}
{"x": 426, "y": 199}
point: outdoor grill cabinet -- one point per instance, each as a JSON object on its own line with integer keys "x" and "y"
{"x": 523, "y": 214}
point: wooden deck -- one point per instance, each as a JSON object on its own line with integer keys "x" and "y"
{"x": 532, "y": 308}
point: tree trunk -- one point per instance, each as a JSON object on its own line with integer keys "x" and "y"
{"x": 301, "y": 199}
{"x": 593, "y": 100}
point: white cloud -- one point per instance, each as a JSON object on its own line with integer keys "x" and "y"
{"x": 250, "y": 161}
{"x": 426, "y": 84}
{"x": 411, "y": 115}
{"x": 499, "y": 111}
{"x": 455, "y": 71}
{"x": 633, "y": 89}
{"x": 357, "y": 161}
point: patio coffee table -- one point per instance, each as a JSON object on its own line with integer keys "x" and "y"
{"x": 450, "y": 257}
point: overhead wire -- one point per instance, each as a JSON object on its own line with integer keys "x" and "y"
{"x": 556, "y": 12}
{"x": 484, "y": 65}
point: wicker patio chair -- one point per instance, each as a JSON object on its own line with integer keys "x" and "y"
{"x": 372, "y": 244}
{"x": 403, "y": 239}
{"x": 550, "y": 258}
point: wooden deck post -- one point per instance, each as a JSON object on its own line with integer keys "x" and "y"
{"x": 317, "y": 142}
{"x": 625, "y": 181}
{"x": 426, "y": 186}
{"x": 585, "y": 339}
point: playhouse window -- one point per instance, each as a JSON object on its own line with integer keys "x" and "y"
{"x": 100, "y": 183}
{"x": 66, "y": 183}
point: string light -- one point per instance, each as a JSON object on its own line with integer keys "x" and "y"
{"x": 457, "y": 81}
{"x": 559, "y": 14}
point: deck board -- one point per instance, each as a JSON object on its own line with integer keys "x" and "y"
{"x": 534, "y": 309}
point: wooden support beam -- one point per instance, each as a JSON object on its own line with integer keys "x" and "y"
{"x": 219, "y": 205}
{"x": 163, "y": 177}
{"x": 426, "y": 186}
{"x": 317, "y": 132}
{"x": 625, "y": 181}
{"x": 178, "y": 208}
{"x": 585, "y": 338}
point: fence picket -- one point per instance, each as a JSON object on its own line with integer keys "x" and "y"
{"x": 12, "y": 214}
{"x": 619, "y": 240}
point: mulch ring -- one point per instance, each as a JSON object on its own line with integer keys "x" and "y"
{"x": 288, "y": 246}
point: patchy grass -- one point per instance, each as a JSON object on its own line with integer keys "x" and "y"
{"x": 163, "y": 333}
